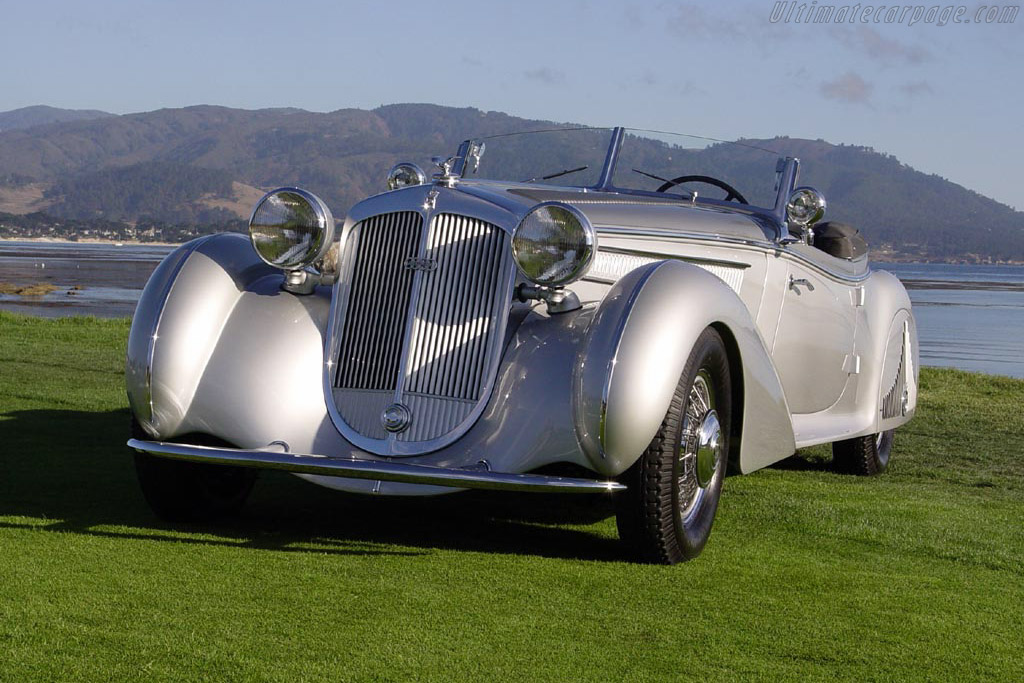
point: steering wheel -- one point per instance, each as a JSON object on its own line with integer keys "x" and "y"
{"x": 733, "y": 193}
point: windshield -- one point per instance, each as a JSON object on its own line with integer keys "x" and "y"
{"x": 570, "y": 157}
{"x": 647, "y": 161}
{"x": 682, "y": 164}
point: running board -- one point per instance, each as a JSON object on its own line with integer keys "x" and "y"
{"x": 377, "y": 470}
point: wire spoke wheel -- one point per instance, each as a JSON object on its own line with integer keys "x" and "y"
{"x": 666, "y": 513}
{"x": 698, "y": 405}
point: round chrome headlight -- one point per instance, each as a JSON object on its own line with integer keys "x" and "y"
{"x": 405, "y": 175}
{"x": 554, "y": 244}
{"x": 291, "y": 228}
{"x": 806, "y": 206}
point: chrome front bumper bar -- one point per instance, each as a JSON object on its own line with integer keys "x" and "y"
{"x": 377, "y": 470}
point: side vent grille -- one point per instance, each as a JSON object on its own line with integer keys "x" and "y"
{"x": 894, "y": 403}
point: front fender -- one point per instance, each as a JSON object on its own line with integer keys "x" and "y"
{"x": 634, "y": 354}
{"x": 207, "y": 306}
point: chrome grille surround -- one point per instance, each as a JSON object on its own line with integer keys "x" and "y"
{"x": 436, "y": 350}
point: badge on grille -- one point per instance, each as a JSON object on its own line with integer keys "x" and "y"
{"x": 424, "y": 264}
{"x": 395, "y": 418}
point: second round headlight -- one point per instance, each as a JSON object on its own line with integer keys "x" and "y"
{"x": 291, "y": 228}
{"x": 554, "y": 244}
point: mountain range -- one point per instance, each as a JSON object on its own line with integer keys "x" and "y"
{"x": 27, "y": 117}
{"x": 209, "y": 165}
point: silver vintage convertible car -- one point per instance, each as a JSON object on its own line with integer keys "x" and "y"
{"x": 603, "y": 311}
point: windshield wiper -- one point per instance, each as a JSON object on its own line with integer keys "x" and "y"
{"x": 559, "y": 174}
{"x": 651, "y": 175}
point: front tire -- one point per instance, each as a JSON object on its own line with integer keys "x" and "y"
{"x": 665, "y": 514}
{"x": 865, "y": 456}
{"x": 188, "y": 491}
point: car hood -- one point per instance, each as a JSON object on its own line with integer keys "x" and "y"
{"x": 619, "y": 210}
{"x": 506, "y": 203}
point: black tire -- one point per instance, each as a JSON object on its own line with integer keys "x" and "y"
{"x": 665, "y": 514}
{"x": 865, "y": 456}
{"x": 190, "y": 492}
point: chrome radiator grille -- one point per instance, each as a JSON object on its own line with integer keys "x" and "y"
{"x": 420, "y": 325}
{"x": 453, "y": 322}
{"x": 371, "y": 342}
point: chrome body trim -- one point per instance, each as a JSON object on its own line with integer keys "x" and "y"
{"x": 696, "y": 260}
{"x": 610, "y": 265}
{"x": 374, "y": 470}
{"x": 769, "y": 247}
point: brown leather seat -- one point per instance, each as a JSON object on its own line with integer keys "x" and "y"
{"x": 840, "y": 240}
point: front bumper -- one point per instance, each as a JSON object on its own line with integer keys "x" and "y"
{"x": 374, "y": 469}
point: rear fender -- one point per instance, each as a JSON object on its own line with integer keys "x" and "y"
{"x": 888, "y": 345}
{"x": 634, "y": 354}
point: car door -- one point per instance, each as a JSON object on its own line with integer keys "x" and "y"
{"x": 813, "y": 348}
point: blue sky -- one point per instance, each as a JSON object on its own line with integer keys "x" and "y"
{"x": 943, "y": 99}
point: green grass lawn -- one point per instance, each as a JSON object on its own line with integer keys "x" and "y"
{"x": 917, "y": 574}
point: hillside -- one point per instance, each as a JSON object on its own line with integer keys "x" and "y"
{"x": 206, "y": 164}
{"x": 40, "y": 115}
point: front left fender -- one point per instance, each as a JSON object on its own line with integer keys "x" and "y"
{"x": 635, "y": 352}
{"x": 199, "y": 306}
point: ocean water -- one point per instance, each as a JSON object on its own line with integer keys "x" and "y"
{"x": 968, "y": 317}
{"x": 111, "y": 277}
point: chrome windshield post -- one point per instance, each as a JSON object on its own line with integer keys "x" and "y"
{"x": 789, "y": 171}
{"x": 613, "y": 156}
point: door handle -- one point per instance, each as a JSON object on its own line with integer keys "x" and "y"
{"x": 796, "y": 283}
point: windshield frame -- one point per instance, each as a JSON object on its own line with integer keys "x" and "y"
{"x": 787, "y": 170}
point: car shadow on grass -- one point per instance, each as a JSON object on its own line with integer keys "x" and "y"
{"x": 72, "y": 469}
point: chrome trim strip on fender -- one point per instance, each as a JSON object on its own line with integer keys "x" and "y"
{"x": 188, "y": 250}
{"x": 699, "y": 260}
{"x": 376, "y": 470}
{"x": 620, "y": 328}
{"x": 719, "y": 239}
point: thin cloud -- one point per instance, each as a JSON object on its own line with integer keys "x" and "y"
{"x": 849, "y": 88}
{"x": 648, "y": 77}
{"x": 736, "y": 22}
{"x": 915, "y": 88}
{"x": 871, "y": 43}
{"x": 545, "y": 75}
{"x": 690, "y": 88}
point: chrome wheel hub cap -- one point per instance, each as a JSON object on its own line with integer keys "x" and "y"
{"x": 708, "y": 438}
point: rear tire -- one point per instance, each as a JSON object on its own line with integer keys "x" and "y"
{"x": 665, "y": 514}
{"x": 865, "y": 456}
{"x": 190, "y": 492}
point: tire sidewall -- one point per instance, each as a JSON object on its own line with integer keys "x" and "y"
{"x": 709, "y": 354}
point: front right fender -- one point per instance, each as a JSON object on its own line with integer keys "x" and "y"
{"x": 636, "y": 349}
